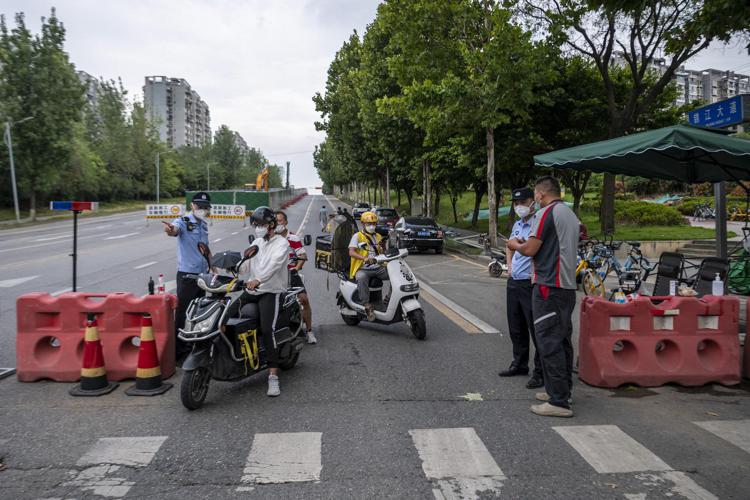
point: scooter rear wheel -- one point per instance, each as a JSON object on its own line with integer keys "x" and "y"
{"x": 417, "y": 323}
{"x": 350, "y": 320}
{"x": 495, "y": 269}
{"x": 194, "y": 387}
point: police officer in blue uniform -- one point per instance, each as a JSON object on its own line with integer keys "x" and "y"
{"x": 520, "y": 321}
{"x": 189, "y": 230}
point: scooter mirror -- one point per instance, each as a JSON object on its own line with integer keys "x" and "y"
{"x": 307, "y": 240}
{"x": 250, "y": 238}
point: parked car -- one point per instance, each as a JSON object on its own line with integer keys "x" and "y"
{"x": 359, "y": 209}
{"x": 418, "y": 233}
{"x": 387, "y": 218}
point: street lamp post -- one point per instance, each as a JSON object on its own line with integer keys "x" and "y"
{"x": 157, "y": 178}
{"x": 9, "y": 143}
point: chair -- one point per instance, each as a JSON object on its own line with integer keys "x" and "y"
{"x": 707, "y": 274}
{"x": 670, "y": 268}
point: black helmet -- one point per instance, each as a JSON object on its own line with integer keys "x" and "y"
{"x": 263, "y": 216}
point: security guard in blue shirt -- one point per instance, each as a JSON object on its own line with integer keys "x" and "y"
{"x": 189, "y": 230}
{"x": 520, "y": 321}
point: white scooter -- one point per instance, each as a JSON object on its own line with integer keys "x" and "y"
{"x": 400, "y": 304}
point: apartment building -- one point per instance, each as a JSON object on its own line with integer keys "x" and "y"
{"x": 93, "y": 88}
{"x": 177, "y": 111}
{"x": 240, "y": 142}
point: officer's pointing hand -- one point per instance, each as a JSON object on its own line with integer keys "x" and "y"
{"x": 169, "y": 228}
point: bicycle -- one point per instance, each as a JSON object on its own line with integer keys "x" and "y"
{"x": 591, "y": 282}
{"x": 704, "y": 212}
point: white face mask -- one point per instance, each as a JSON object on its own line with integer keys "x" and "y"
{"x": 261, "y": 231}
{"x": 523, "y": 211}
{"x": 370, "y": 228}
{"x": 200, "y": 213}
{"x": 280, "y": 229}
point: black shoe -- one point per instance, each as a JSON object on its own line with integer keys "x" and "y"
{"x": 513, "y": 371}
{"x": 534, "y": 383}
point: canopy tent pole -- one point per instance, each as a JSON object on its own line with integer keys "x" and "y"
{"x": 720, "y": 204}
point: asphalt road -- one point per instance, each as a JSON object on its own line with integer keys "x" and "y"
{"x": 369, "y": 412}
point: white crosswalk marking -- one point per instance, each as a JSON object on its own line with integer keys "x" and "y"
{"x": 289, "y": 457}
{"x": 16, "y": 281}
{"x": 736, "y": 432}
{"x": 458, "y": 462}
{"x": 121, "y": 236}
{"x": 107, "y": 456}
{"x": 608, "y": 449}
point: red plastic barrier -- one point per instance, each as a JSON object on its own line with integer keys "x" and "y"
{"x": 746, "y": 356}
{"x": 49, "y": 334}
{"x": 653, "y": 341}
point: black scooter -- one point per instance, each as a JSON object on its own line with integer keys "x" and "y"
{"x": 223, "y": 330}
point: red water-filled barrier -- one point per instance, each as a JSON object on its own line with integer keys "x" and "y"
{"x": 50, "y": 333}
{"x": 651, "y": 341}
{"x": 746, "y": 357}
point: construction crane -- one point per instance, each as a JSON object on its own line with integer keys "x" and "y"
{"x": 261, "y": 183}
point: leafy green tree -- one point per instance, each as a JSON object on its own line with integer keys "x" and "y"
{"x": 228, "y": 159}
{"x": 37, "y": 80}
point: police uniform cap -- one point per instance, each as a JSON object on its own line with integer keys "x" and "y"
{"x": 202, "y": 198}
{"x": 523, "y": 193}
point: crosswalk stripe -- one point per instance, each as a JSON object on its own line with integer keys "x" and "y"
{"x": 608, "y": 449}
{"x": 458, "y": 463}
{"x": 16, "y": 281}
{"x": 289, "y": 457}
{"x": 736, "y": 432}
{"x": 107, "y": 456}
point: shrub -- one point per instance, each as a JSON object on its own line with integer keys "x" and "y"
{"x": 639, "y": 213}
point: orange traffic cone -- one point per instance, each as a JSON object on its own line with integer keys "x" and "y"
{"x": 93, "y": 374}
{"x": 148, "y": 374}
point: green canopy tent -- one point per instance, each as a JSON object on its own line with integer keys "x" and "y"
{"x": 681, "y": 152}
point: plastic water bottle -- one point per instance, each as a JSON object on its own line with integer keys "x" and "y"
{"x": 620, "y": 297}
{"x": 161, "y": 290}
{"x": 717, "y": 286}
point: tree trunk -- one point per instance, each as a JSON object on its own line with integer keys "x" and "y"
{"x": 32, "y": 206}
{"x": 427, "y": 189}
{"x": 387, "y": 186}
{"x": 398, "y": 195}
{"x": 478, "y": 194}
{"x": 409, "y": 194}
{"x": 436, "y": 211}
{"x": 454, "y": 202}
{"x": 492, "y": 197}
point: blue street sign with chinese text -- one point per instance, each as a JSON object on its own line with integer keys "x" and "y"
{"x": 721, "y": 114}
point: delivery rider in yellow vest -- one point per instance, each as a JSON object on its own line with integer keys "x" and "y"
{"x": 363, "y": 248}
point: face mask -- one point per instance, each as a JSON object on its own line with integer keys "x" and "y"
{"x": 370, "y": 228}
{"x": 261, "y": 231}
{"x": 280, "y": 229}
{"x": 200, "y": 213}
{"x": 522, "y": 210}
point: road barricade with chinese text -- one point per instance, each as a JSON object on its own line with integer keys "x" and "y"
{"x": 50, "y": 333}
{"x": 651, "y": 341}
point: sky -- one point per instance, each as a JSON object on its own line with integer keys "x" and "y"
{"x": 256, "y": 63}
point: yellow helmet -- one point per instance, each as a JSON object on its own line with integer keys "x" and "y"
{"x": 369, "y": 218}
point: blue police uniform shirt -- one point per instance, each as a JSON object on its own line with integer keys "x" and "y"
{"x": 189, "y": 259}
{"x": 521, "y": 265}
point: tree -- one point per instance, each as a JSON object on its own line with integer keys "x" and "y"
{"x": 38, "y": 80}
{"x": 632, "y": 34}
{"x": 228, "y": 159}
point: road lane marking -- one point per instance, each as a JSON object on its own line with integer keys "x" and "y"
{"x": 16, "y": 281}
{"x": 608, "y": 449}
{"x": 307, "y": 214}
{"x": 121, "y": 236}
{"x": 458, "y": 463}
{"x": 146, "y": 265}
{"x": 107, "y": 456}
{"x": 60, "y": 292}
{"x": 236, "y": 232}
{"x": 470, "y": 262}
{"x": 52, "y": 238}
{"x": 48, "y": 243}
{"x": 289, "y": 457}
{"x": 448, "y": 313}
{"x": 466, "y": 315}
{"x": 217, "y": 240}
{"x": 736, "y": 432}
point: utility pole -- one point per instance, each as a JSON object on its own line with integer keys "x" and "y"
{"x": 9, "y": 143}
{"x": 157, "y": 178}
{"x": 287, "y": 175}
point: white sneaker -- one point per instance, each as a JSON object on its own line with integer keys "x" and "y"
{"x": 273, "y": 386}
{"x": 311, "y": 338}
{"x": 543, "y": 396}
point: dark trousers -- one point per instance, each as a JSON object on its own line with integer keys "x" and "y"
{"x": 187, "y": 290}
{"x": 269, "y": 307}
{"x": 521, "y": 324}
{"x": 553, "y": 325}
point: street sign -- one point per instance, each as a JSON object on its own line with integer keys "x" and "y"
{"x": 170, "y": 211}
{"x": 726, "y": 113}
{"x": 76, "y": 207}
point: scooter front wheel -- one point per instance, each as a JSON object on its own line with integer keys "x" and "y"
{"x": 194, "y": 387}
{"x": 495, "y": 269}
{"x": 417, "y": 324}
{"x": 350, "y": 320}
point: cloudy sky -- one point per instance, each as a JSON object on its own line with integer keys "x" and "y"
{"x": 256, "y": 63}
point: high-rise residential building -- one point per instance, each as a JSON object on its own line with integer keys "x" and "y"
{"x": 240, "y": 142}
{"x": 177, "y": 111}
{"x": 93, "y": 87}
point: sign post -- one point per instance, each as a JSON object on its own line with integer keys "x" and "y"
{"x": 76, "y": 207}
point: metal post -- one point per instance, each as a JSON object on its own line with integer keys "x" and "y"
{"x": 9, "y": 143}
{"x": 75, "y": 247}
{"x": 720, "y": 204}
{"x": 157, "y": 178}
{"x": 287, "y": 175}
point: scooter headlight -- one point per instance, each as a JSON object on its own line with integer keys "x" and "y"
{"x": 412, "y": 287}
{"x": 205, "y": 325}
